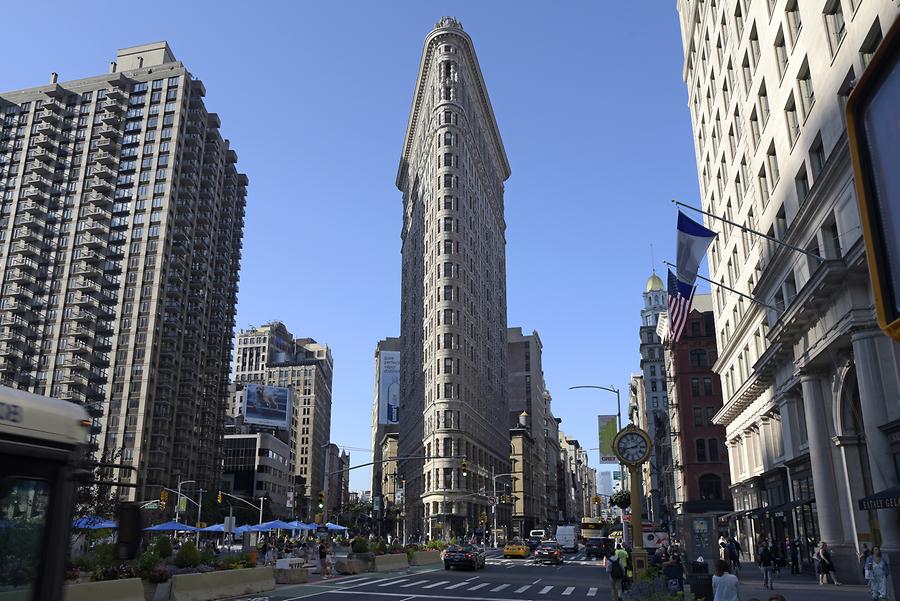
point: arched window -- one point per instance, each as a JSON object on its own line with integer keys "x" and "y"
{"x": 710, "y": 487}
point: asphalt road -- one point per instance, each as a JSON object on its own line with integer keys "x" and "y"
{"x": 500, "y": 580}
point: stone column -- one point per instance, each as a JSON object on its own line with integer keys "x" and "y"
{"x": 821, "y": 459}
{"x": 786, "y": 406}
{"x": 876, "y": 375}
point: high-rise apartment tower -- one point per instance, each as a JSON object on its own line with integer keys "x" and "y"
{"x": 453, "y": 316}
{"x": 120, "y": 234}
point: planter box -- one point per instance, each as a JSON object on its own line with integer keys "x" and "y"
{"x": 350, "y": 566}
{"x": 424, "y": 558}
{"x": 389, "y": 563}
{"x": 291, "y": 575}
{"x": 129, "y": 589}
{"x": 222, "y": 584}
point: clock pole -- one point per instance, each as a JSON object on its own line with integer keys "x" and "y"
{"x": 639, "y": 557}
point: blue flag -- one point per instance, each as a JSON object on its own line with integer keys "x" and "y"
{"x": 693, "y": 240}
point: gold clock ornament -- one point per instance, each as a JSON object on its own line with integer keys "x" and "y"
{"x": 632, "y": 445}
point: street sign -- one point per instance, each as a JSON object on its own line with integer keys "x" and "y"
{"x": 376, "y": 503}
{"x": 229, "y": 524}
{"x": 151, "y": 505}
{"x": 618, "y": 474}
{"x": 182, "y": 504}
{"x": 322, "y": 529}
{"x": 492, "y": 500}
{"x": 479, "y": 531}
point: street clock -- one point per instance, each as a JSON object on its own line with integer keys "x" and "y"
{"x": 632, "y": 445}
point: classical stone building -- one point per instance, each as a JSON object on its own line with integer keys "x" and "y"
{"x": 811, "y": 385}
{"x": 256, "y": 347}
{"x": 387, "y": 360}
{"x": 528, "y": 394}
{"x": 120, "y": 238}
{"x": 453, "y": 315}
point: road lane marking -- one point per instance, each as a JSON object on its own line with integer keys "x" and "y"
{"x": 478, "y": 586}
{"x": 568, "y": 590}
{"x": 414, "y": 583}
{"x": 393, "y": 582}
{"x": 351, "y": 581}
{"x": 438, "y": 583}
{"x": 592, "y": 592}
{"x": 545, "y": 590}
{"x": 497, "y": 589}
{"x": 522, "y": 589}
{"x": 457, "y": 585}
{"x": 536, "y": 581}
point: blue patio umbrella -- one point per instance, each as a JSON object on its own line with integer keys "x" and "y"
{"x": 93, "y": 523}
{"x": 214, "y": 528}
{"x": 240, "y": 530}
{"x": 170, "y": 526}
{"x": 298, "y": 525}
{"x": 337, "y": 527}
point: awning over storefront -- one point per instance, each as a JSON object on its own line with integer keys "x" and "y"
{"x": 790, "y": 505}
{"x": 758, "y": 512}
{"x": 733, "y": 515}
{"x": 886, "y": 499}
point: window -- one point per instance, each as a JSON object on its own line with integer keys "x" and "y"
{"x": 772, "y": 165}
{"x": 713, "y": 448}
{"x": 765, "y": 188}
{"x": 25, "y": 503}
{"x": 710, "y": 487}
{"x": 870, "y": 44}
{"x": 791, "y": 120}
{"x": 698, "y": 358}
{"x": 754, "y": 128}
{"x": 707, "y": 386}
{"x": 739, "y": 20}
{"x": 805, "y": 86}
{"x": 802, "y": 184}
{"x": 792, "y": 12}
{"x": 695, "y": 326}
{"x": 747, "y": 73}
{"x": 700, "y": 445}
{"x": 695, "y": 387}
{"x": 763, "y": 99}
{"x": 834, "y": 23}
{"x": 754, "y": 47}
{"x": 698, "y": 416}
{"x": 816, "y": 157}
{"x": 781, "y": 55}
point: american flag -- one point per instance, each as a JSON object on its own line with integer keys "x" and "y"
{"x": 680, "y": 297}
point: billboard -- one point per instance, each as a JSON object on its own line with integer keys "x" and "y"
{"x": 389, "y": 387}
{"x": 606, "y": 425}
{"x": 267, "y": 406}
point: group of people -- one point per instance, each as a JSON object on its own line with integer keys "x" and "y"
{"x": 272, "y": 548}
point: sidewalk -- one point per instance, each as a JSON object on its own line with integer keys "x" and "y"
{"x": 797, "y": 587}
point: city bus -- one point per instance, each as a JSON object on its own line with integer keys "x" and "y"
{"x": 41, "y": 448}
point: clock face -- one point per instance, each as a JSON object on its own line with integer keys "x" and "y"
{"x": 632, "y": 447}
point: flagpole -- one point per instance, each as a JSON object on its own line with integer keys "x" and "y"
{"x": 747, "y": 296}
{"x": 749, "y": 231}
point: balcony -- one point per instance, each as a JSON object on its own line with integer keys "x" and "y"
{"x": 84, "y": 300}
{"x": 71, "y": 378}
{"x": 104, "y": 172}
{"x": 98, "y": 198}
{"x": 46, "y": 128}
{"x": 93, "y": 226}
{"x": 115, "y": 94}
{"x": 105, "y": 158}
{"x": 32, "y": 179}
{"x": 32, "y": 193}
{"x": 90, "y": 240}
{"x": 83, "y": 284}
{"x": 30, "y": 206}
{"x": 83, "y": 315}
{"x": 29, "y": 220}
{"x": 20, "y": 276}
{"x": 43, "y": 140}
{"x": 95, "y": 212}
{"x": 11, "y": 349}
{"x": 27, "y": 234}
{"x": 40, "y": 168}
{"x": 25, "y": 248}
{"x": 111, "y": 118}
{"x": 79, "y": 331}
{"x": 108, "y": 144}
{"x": 108, "y": 131}
{"x": 97, "y": 184}
{"x": 84, "y": 268}
{"x": 48, "y": 115}
{"x": 43, "y": 155}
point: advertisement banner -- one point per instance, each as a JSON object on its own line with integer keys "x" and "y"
{"x": 268, "y": 406}
{"x": 606, "y": 425}
{"x": 389, "y": 387}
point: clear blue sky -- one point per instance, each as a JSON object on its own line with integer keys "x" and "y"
{"x": 315, "y": 97}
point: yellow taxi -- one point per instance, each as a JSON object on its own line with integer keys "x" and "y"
{"x": 515, "y": 549}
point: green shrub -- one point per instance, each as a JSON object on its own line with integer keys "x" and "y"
{"x": 163, "y": 547}
{"x": 187, "y": 557}
{"x": 360, "y": 545}
{"x": 104, "y": 556}
{"x": 379, "y": 547}
{"x": 453, "y": 541}
{"x": 147, "y": 562}
{"x": 207, "y": 557}
{"x": 435, "y": 545}
{"x": 85, "y": 563}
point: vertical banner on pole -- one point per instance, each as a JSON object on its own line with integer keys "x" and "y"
{"x": 607, "y": 428}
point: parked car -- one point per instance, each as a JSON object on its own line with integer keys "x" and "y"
{"x": 548, "y": 552}
{"x": 463, "y": 556}
{"x": 599, "y": 546}
{"x": 516, "y": 549}
{"x": 567, "y": 539}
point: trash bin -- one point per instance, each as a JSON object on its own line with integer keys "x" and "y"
{"x": 699, "y": 567}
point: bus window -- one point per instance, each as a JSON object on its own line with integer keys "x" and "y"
{"x": 24, "y": 505}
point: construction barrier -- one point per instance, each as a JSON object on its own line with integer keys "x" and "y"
{"x": 424, "y": 558}
{"x": 389, "y": 563}
{"x": 128, "y": 589}
{"x": 222, "y": 584}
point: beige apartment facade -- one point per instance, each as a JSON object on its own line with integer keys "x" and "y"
{"x": 122, "y": 220}
{"x": 453, "y": 315}
{"x": 810, "y": 384}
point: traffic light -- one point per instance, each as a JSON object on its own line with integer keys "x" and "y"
{"x": 465, "y": 468}
{"x": 219, "y": 498}
{"x": 872, "y": 117}
{"x": 163, "y": 497}
{"x": 321, "y": 499}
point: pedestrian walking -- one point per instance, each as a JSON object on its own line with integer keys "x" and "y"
{"x": 725, "y": 585}
{"x": 793, "y": 554}
{"x": 825, "y": 564}
{"x": 863, "y": 557}
{"x": 323, "y": 560}
{"x": 733, "y": 555}
{"x": 615, "y": 569}
{"x": 877, "y": 573}
{"x": 766, "y": 562}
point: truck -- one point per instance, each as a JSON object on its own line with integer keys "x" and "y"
{"x": 567, "y": 538}
{"x": 42, "y": 447}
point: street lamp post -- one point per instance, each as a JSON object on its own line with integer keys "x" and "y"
{"x": 494, "y": 504}
{"x": 615, "y": 390}
{"x": 178, "y": 495}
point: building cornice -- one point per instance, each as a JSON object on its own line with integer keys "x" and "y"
{"x": 431, "y": 42}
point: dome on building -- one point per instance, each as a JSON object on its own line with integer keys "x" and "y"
{"x": 654, "y": 283}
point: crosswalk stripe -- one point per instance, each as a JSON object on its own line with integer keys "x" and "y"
{"x": 439, "y": 583}
{"x": 592, "y": 592}
{"x": 568, "y": 590}
{"x": 522, "y": 589}
{"x": 545, "y": 590}
{"x": 416, "y": 583}
{"x": 393, "y": 582}
{"x": 497, "y": 589}
{"x": 351, "y": 581}
{"x": 478, "y": 586}
{"x": 457, "y": 585}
